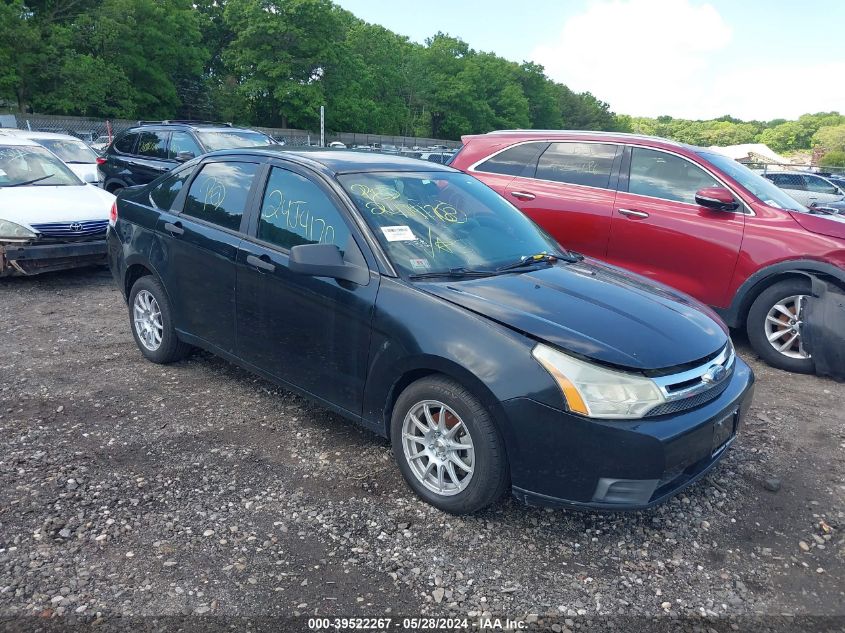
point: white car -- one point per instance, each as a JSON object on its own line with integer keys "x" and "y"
{"x": 76, "y": 153}
{"x": 337, "y": 144}
{"x": 49, "y": 218}
{"x": 809, "y": 189}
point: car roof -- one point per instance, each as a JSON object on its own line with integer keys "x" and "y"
{"x": 9, "y": 140}
{"x": 341, "y": 161}
{"x": 188, "y": 125}
{"x": 801, "y": 172}
{"x": 38, "y": 135}
{"x": 592, "y": 135}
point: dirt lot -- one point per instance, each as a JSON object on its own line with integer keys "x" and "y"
{"x": 132, "y": 489}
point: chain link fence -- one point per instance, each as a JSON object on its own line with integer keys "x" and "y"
{"x": 765, "y": 168}
{"x": 90, "y": 129}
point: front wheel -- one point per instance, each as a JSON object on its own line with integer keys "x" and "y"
{"x": 774, "y": 326}
{"x": 447, "y": 446}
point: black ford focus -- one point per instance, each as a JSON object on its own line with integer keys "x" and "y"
{"x": 416, "y": 301}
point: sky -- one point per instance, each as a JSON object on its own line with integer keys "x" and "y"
{"x": 752, "y": 59}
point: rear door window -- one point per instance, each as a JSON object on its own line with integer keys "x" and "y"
{"x": 788, "y": 181}
{"x": 220, "y": 192}
{"x": 296, "y": 211}
{"x": 152, "y": 144}
{"x": 126, "y": 144}
{"x": 588, "y": 164}
{"x": 662, "y": 175}
{"x": 519, "y": 160}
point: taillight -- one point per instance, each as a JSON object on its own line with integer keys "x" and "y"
{"x": 113, "y": 214}
{"x": 101, "y": 160}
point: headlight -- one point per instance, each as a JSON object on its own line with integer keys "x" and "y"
{"x": 12, "y": 231}
{"x": 598, "y": 392}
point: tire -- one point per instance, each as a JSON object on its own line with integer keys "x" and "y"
{"x": 759, "y": 327}
{"x": 464, "y": 415}
{"x": 169, "y": 348}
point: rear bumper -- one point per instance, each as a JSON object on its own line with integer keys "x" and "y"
{"x": 31, "y": 259}
{"x": 561, "y": 459}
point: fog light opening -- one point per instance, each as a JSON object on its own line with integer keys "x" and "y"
{"x": 625, "y": 491}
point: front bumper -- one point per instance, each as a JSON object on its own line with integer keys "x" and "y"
{"x": 31, "y": 259}
{"x": 563, "y": 459}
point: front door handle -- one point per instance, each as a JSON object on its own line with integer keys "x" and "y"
{"x": 523, "y": 195}
{"x": 260, "y": 263}
{"x": 631, "y": 213}
{"x": 174, "y": 229}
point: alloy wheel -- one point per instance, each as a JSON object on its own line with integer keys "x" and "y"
{"x": 783, "y": 327}
{"x": 438, "y": 447}
{"x": 146, "y": 315}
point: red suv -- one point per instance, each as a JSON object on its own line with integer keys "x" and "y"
{"x": 686, "y": 216}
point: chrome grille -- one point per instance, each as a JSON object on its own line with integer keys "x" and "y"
{"x": 696, "y": 386}
{"x": 86, "y": 228}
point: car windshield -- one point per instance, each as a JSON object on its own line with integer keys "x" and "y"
{"x": 765, "y": 190}
{"x": 69, "y": 151}
{"x": 433, "y": 222}
{"x": 233, "y": 139}
{"x": 33, "y": 165}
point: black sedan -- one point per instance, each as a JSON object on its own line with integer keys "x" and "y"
{"x": 416, "y": 301}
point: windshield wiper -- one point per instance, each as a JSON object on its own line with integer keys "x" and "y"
{"x": 539, "y": 258}
{"x": 29, "y": 182}
{"x": 454, "y": 273}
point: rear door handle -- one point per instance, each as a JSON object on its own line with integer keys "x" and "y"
{"x": 523, "y": 195}
{"x": 174, "y": 229}
{"x": 631, "y": 213}
{"x": 260, "y": 263}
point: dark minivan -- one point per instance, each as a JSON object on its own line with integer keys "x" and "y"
{"x": 141, "y": 154}
{"x": 415, "y": 300}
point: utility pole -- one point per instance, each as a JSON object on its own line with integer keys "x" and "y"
{"x": 322, "y": 126}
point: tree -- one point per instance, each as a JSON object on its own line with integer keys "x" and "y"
{"x": 786, "y": 136}
{"x": 833, "y": 159}
{"x": 281, "y": 52}
{"x": 831, "y": 137}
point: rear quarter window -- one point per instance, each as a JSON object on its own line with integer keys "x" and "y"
{"x": 125, "y": 144}
{"x": 519, "y": 160}
{"x": 163, "y": 195}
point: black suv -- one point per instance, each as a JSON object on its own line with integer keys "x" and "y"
{"x": 141, "y": 154}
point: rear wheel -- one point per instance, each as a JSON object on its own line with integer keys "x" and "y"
{"x": 152, "y": 324}
{"x": 447, "y": 446}
{"x": 774, "y": 326}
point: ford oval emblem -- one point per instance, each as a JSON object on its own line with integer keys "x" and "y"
{"x": 715, "y": 374}
{"x": 76, "y": 226}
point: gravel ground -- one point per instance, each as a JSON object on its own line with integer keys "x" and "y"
{"x": 131, "y": 489}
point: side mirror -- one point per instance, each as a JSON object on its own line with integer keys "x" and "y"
{"x": 716, "y": 198}
{"x": 326, "y": 260}
{"x": 183, "y": 157}
{"x": 90, "y": 178}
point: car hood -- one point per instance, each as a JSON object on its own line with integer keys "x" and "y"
{"x": 830, "y": 225}
{"x": 597, "y": 311}
{"x": 40, "y": 204}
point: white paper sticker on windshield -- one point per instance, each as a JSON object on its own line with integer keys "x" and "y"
{"x": 2, "y": 173}
{"x": 398, "y": 233}
{"x": 419, "y": 264}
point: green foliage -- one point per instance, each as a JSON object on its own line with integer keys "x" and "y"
{"x": 275, "y": 62}
{"x": 831, "y": 137}
{"x": 835, "y": 158}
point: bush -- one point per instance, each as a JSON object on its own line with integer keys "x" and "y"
{"x": 833, "y": 159}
